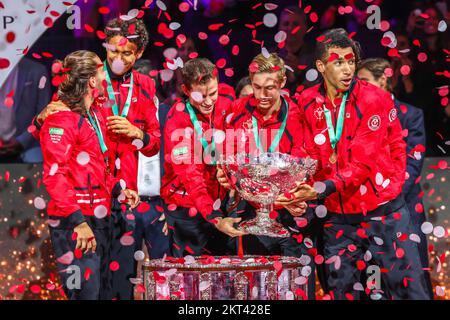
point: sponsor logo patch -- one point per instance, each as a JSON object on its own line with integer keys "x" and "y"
{"x": 374, "y": 122}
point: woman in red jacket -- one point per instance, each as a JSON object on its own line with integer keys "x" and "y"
{"x": 78, "y": 182}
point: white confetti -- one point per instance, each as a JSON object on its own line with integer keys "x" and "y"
{"x": 166, "y": 75}
{"x": 270, "y": 6}
{"x": 133, "y": 13}
{"x": 367, "y": 256}
{"x": 300, "y": 281}
{"x": 174, "y": 26}
{"x": 42, "y": 82}
{"x": 426, "y": 227}
{"x": 319, "y": 186}
{"x": 138, "y": 143}
{"x": 442, "y": 27}
{"x": 270, "y": 20}
{"x": 170, "y": 53}
{"x": 161, "y": 5}
{"x": 378, "y": 241}
{"x": 139, "y": 255}
{"x": 321, "y": 211}
{"x": 440, "y": 291}
{"x": 386, "y": 183}
{"x": 311, "y": 75}
{"x": 362, "y": 189}
{"x": 439, "y": 232}
{"x": 379, "y": 178}
{"x": 83, "y": 158}
{"x": 414, "y": 237}
{"x": 216, "y": 205}
{"x": 123, "y": 184}
{"x": 320, "y": 139}
{"x": 306, "y": 271}
{"x": 265, "y": 52}
{"x": 280, "y": 36}
{"x": 53, "y": 169}
{"x": 39, "y": 203}
{"x": 100, "y": 212}
{"x": 358, "y": 287}
{"x": 126, "y": 240}
{"x": 197, "y": 96}
{"x": 117, "y": 163}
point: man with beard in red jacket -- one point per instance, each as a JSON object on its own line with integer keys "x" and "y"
{"x": 366, "y": 231}
{"x": 133, "y": 129}
{"x": 192, "y": 137}
{"x": 78, "y": 181}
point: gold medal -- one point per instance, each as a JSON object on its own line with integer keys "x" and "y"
{"x": 333, "y": 157}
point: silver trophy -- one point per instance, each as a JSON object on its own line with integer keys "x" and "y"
{"x": 261, "y": 179}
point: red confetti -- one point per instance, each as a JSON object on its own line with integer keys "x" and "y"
{"x": 78, "y": 253}
{"x": 10, "y": 37}
{"x": 114, "y": 266}
{"x": 4, "y": 63}
{"x": 221, "y": 63}
{"x": 360, "y": 264}
{"x": 273, "y": 214}
{"x": 215, "y": 26}
{"x": 183, "y": 7}
{"x": 35, "y": 289}
{"x": 48, "y": 22}
{"x": 103, "y": 10}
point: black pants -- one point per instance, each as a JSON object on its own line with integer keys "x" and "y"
{"x": 354, "y": 254}
{"x": 195, "y": 236}
{"x": 87, "y": 278}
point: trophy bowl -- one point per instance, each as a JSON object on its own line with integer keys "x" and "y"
{"x": 261, "y": 179}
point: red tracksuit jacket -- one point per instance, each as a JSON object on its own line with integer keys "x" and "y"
{"x": 241, "y": 123}
{"x": 142, "y": 114}
{"x": 364, "y": 175}
{"x": 74, "y": 168}
{"x": 188, "y": 181}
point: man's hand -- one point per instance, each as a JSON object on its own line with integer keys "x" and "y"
{"x": 132, "y": 198}
{"x": 225, "y": 225}
{"x": 303, "y": 192}
{"x": 222, "y": 178}
{"x": 52, "y": 107}
{"x": 121, "y": 125}
{"x": 85, "y": 238}
{"x": 296, "y": 209}
{"x": 11, "y": 148}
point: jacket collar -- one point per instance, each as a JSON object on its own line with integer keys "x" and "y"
{"x": 280, "y": 115}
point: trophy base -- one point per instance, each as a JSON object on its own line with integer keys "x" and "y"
{"x": 262, "y": 225}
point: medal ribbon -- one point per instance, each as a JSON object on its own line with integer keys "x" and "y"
{"x": 111, "y": 95}
{"x": 277, "y": 139}
{"x": 335, "y": 135}
{"x": 199, "y": 131}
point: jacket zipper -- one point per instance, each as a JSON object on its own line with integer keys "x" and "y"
{"x": 119, "y": 105}
{"x": 91, "y": 197}
{"x": 341, "y": 204}
{"x": 373, "y": 187}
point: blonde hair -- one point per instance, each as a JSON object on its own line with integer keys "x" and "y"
{"x": 270, "y": 64}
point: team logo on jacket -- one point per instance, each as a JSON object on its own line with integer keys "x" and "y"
{"x": 318, "y": 113}
{"x": 248, "y": 125}
{"x": 374, "y": 122}
{"x": 392, "y": 114}
{"x": 134, "y": 99}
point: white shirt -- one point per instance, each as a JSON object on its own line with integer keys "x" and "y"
{"x": 149, "y": 178}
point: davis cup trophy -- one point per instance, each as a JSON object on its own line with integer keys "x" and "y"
{"x": 261, "y": 179}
